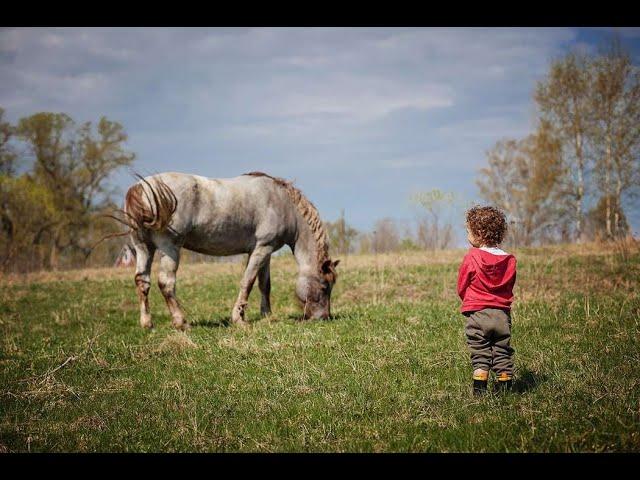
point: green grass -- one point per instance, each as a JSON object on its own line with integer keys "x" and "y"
{"x": 389, "y": 373}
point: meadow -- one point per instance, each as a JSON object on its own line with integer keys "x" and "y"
{"x": 390, "y": 372}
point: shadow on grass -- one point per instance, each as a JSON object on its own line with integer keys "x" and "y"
{"x": 226, "y": 321}
{"x": 211, "y": 322}
{"x": 527, "y": 381}
{"x": 298, "y": 318}
{"x": 221, "y": 322}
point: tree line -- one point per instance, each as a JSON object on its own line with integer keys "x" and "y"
{"x": 432, "y": 228}
{"x": 575, "y": 177}
{"x": 55, "y": 191}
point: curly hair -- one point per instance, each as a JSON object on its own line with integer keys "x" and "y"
{"x": 487, "y": 224}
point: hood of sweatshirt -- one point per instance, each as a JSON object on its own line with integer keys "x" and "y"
{"x": 492, "y": 271}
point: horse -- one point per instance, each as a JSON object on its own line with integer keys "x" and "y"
{"x": 253, "y": 213}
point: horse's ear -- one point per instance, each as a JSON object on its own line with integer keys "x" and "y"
{"x": 335, "y": 264}
{"x": 326, "y": 266}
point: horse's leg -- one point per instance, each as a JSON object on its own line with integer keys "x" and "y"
{"x": 169, "y": 262}
{"x": 264, "y": 283}
{"x": 256, "y": 261}
{"x": 144, "y": 259}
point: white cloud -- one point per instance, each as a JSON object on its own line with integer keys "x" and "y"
{"x": 394, "y": 98}
{"x": 340, "y": 97}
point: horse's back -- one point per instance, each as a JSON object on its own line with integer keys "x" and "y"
{"x": 225, "y": 216}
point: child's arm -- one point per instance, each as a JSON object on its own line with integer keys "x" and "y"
{"x": 465, "y": 274}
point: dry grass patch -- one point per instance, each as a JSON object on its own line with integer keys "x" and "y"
{"x": 175, "y": 342}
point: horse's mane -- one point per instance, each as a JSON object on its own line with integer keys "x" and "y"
{"x": 308, "y": 211}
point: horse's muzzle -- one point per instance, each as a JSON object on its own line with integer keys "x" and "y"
{"x": 317, "y": 315}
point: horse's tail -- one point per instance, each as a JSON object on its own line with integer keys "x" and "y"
{"x": 149, "y": 207}
{"x": 146, "y": 207}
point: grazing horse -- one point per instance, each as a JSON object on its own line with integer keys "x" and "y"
{"x": 254, "y": 213}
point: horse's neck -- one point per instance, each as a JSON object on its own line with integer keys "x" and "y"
{"x": 305, "y": 248}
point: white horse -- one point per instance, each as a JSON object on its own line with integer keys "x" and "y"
{"x": 253, "y": 213}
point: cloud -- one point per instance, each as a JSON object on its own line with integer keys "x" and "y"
{"x": 362, "y": 73}
{"x": 394, "y": 108}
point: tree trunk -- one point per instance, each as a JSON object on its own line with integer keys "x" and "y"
{"x": 436, "y": 232}
{"x": 607, "y": 188}
{"x": 580, "y": 189}
{"x": 53, "y": 253}
{"x": 616, "y": 217}
{"x": 578, "y": 205}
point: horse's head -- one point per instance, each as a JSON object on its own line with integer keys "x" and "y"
{"x": 314, "y": 290}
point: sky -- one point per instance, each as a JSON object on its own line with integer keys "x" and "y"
{"x": 359, "y": 118}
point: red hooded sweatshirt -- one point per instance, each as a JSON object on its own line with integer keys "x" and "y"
{"x": 486, "y": 280}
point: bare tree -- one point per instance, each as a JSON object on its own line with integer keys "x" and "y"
{"x": 597, "y": 219}
{"x": 523, "y": 179}
{"x": 543, "y": 205}
{"x": 365, "y": 243}
{"x": 498, "y": 182}
{"x": 385, "y": 236}
{"x": 341, "y": 235}
{"x": 435, "y": 231}
{"x": 563, "y": 98}
{"x": 616, "y": 132}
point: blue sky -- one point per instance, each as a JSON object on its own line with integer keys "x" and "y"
{"x": 360, "y": 118}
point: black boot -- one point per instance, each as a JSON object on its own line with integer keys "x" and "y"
{"x": 479, "y": 387}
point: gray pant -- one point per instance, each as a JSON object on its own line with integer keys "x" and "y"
{"x": 488, "y": 334}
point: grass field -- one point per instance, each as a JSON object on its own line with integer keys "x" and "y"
{"x": 389, "y": 373}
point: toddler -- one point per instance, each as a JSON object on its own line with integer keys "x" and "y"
{"x": 485, "y": 285}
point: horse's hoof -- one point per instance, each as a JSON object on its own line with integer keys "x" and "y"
{"x": 237, "y": 315}
{"x": 183, "y": 327}
{"x": 145, "y": 321}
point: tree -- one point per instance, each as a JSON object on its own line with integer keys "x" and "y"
{"x": 8, "y": 154}
{"x": 365, "y": 243}
{"x": 73, "y": 164}
{"x": 385, "y": 236}
{"x": 542, "y": 196}
{"x": 601, "y": 213}
{"x": 26, "y": 208}
{"x": 616, "y": 131}
{"x": 563, "y": 99}
{"x": 523, "y": 178}
{"x": 341, "y": 235}
{"x": 7, "y": 159}
{"x": 435, "y": 231}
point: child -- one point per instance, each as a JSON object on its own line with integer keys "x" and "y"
{"x": 485, "y": 285}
